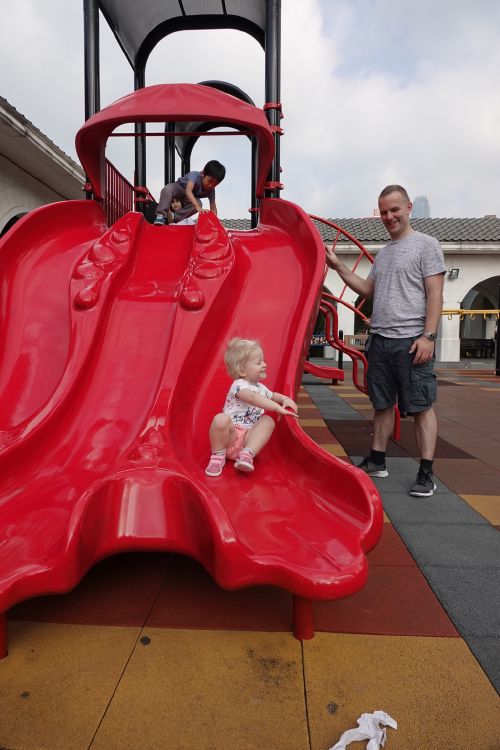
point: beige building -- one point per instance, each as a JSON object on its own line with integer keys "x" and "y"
{"x": 472, "y": 255}
{"x": 33, "y": 170}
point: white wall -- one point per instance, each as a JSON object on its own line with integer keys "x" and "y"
{"x": 20, "y": 193}
{"x": 476, "y": 262}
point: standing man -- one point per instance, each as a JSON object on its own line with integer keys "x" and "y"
{"x": 406, "y": 283}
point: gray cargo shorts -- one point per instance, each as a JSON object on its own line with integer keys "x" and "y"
{"x": 393, "y": 378}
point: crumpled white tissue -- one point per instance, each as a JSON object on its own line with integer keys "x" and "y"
{"x": 369, "y": 729}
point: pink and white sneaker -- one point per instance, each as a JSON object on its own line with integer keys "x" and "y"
{"x": 244, "y": 461}
{"x": 215, "y": 465}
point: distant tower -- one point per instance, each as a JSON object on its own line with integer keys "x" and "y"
{"x": 421, "y": 208}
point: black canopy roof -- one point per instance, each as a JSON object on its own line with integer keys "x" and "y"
{"x": 138, "y": 27}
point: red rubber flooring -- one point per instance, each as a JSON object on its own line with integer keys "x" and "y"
{"x": 161, "y": 591}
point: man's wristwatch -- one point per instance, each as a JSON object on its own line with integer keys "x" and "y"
{"x": 431, "y": 335}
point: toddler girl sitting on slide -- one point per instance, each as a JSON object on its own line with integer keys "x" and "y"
{"x": 242, "y": 429}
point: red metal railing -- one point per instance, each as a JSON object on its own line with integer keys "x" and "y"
{"x": 328, "y": 308}
{"x": 120, "y": 195}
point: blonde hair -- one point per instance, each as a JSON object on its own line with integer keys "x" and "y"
{"x": 237, "y": 354}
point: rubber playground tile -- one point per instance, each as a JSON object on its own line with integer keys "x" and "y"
{"x": 356, "y": 437}
{"x": 444, "y": 449}
{"x": 473, "y": 485}
{"x": 442, "y": 508}
{"x": 205, "y": 690}
{"x": 318, "y": 434}
{"x": 433, "y": 688}
{"x": 477, "y": 446}
{"x": 397, "y": 600}
{"x": 459, "y": 466}
{"x": 117, "y": 591}
{"x": 312, "y": 422}
{"x": 190, "y": 598}
{"x": 57, "y": 681}
{"x": 390, "y": 550}
{"x": 490, "y": 455}
{"x": 486, "y": 650}
{"x": 349, "y": 393}
{"x": 470, "y": 596}
{"x": 334, "y": 448}
{"x": 461, "y": 545}
{"x": 487, "y": 505}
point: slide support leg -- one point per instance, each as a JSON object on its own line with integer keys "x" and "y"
{"x": 303, "y": 626}
{"x": 3, "y": 635}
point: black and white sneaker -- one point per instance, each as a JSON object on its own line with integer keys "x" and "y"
{"x": 424, "y": 484}
{"x": 373, "y": 470}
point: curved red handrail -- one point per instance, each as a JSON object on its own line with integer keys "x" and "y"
{"x": 330, "y": 313}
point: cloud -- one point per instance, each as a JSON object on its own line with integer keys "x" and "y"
{"x": 371, "y": 95}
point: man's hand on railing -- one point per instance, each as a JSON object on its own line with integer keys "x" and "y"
{"x": 332, "y": 260}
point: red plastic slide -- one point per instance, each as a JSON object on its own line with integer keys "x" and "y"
{"x": 111, "y": 371}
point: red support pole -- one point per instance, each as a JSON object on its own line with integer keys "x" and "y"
{"x": 3, "y": 635}
{"x": 303, "y": 625}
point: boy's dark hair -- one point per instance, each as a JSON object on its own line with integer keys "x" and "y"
{"x": 215, "y": 169}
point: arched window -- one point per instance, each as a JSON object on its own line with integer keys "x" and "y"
{"x": 11, "y": 223}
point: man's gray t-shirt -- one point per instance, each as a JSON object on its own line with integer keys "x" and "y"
{"x": 398, "y": 273}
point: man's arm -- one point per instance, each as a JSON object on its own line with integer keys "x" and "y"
{"x": 213, "y": 206}
{"x": 363, "y": 287}
{"x": 423, "y": 347}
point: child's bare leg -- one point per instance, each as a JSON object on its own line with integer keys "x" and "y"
{"x": 221, "y": 432}
{"x": 259, "y": 434}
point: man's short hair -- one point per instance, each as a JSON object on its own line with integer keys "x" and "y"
{"x": 215, "y": 169}
{"x": 395, "y": 189}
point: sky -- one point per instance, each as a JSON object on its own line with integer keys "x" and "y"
{"x": 374, "y": 92}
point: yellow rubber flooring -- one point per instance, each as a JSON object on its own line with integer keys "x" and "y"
{"x": 84, "y": 687}
{"x": 106, "y": 688}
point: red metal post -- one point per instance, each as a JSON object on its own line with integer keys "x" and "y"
{"x": 303, "y": 625}
{"x": 3, "y": 635}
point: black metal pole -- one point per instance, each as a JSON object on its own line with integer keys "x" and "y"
{"x": 497, "y": 356}
{"x": 169, "y": 154}
{"x": 91, "y": 63}
{"x": 253, "y": 197}
{"x": 91, "y": 57}
{"x": 273, "y": 81}
{"x": 140, "y": 143}
{"x": 340, "y": 358}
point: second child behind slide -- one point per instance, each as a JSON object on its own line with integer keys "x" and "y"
{"x": 242, "y": 429}
{"x": 173, "y": 218}
{"x": 189, "y": 189}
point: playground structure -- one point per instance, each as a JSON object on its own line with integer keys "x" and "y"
{"x": 112, "y": 362}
